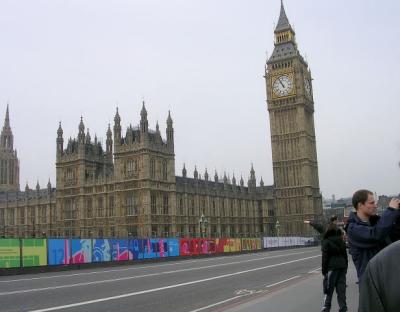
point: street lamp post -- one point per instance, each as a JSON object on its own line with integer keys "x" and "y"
{"x": 203, "y": 222}
{"x": 277, "y": 225}
{"x": 33, "y": 228}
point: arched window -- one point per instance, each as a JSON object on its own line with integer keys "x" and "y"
{"x": 164, "y": 170}
{"x": 152, "y": 168}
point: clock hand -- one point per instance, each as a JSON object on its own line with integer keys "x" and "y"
{"x": 279, "y": 79}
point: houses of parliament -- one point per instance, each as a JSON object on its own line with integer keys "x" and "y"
{"x": 129, "y": 187}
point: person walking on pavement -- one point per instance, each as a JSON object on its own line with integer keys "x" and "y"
{"x": 367, "y": 232}
{"x": 334, "y": 267}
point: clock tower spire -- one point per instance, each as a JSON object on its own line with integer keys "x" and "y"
{"x": 291, "y": 113}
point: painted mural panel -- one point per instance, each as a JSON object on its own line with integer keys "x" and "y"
{"x": 101, "y": 250}
{"x": 191, "y": 246}
{"x": 222, "y": 245}
{"x": 10, "y": 256}
{"x": 145, "y": 248}
{"x": 150, "y": 248}
{"x": 249, "y": 244}
{"x": 81, "y": 250}
{"x": 58, "y": 251}
{"x": 136, "y": 248}
{"x": 184, "y": 247}
{"x": 258, "y": 243}
{"x": 207, "y": 246}
{"x": 34, "y": 252}
{"x": 235, "y": 244}
{"x": 163, "y": 248}
{"x": 172, "y": 247}
{"x": 120, "y": 250}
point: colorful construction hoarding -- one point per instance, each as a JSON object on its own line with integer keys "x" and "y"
{"x": 172, "y": 247}
{"x": 235, "y": 244}
{"x": 287, "y": 241}
{"x": 34, "y": 252}
{"x": 10, "y": 253}
{"x": 222, "y": 245}
{"x": 197, "y": 246}
{"x": 189, "y": 247}
{"x": 81, "y": 250}
{"x": 59, "y": 251}
{"x": 249, "y": 244}
{"x": 101, "y": 250}
{"x": 207, "y": 246}
{"x": 120, "y": 250}
{"x": 152, "y": 248}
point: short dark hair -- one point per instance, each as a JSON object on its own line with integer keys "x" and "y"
{"x": 360, "y": 196}
{"x": 333, "y": 218}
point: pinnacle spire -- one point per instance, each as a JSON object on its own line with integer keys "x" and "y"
{"x": 169, "y": 119}
{"x": 7, "y": 119}
{"x": 143, "y": 112}
{"x": 59, "y": 130}
{"x": 184, "y": 171}
{"x": 283, "y": 22}
{"x": 81, "y": 125}
{"x": 206, "y": 175}
{"x": 117, "y": 118}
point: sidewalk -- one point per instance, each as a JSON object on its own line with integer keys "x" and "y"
{"x": 305, "y": 295}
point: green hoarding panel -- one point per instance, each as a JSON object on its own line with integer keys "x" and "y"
{"x": 34, "y": 252}
{"x": 10, "y": 256}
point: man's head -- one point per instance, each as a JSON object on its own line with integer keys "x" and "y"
{"x": 364, "y": 203}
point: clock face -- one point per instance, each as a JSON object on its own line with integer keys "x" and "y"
{"x": 283, "y": 85}
{"x": 307, "y": 86}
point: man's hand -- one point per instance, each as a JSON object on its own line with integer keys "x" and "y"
{"x": 307, "y": 221}
{"x": 394, "y": 203}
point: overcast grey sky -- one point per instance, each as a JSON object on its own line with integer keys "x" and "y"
{"x": 204, "y": 60}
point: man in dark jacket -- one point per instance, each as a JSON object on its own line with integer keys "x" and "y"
{"x": 367, "y": 232}
{"x": 334, "y": 268}
{"x": 379, "y": 290}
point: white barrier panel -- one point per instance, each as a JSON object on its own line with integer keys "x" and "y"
{"x": 286, "y": 241}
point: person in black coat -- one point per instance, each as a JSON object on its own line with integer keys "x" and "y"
{"x": 379, "y": 289}
{"x": 334, "y": 268}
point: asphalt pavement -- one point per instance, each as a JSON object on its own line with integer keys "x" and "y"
{"x": 280, "y": 280}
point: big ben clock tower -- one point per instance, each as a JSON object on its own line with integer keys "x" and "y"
{"x": 291, "y": 112}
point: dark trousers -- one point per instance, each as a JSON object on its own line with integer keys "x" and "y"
{"x": 335, "y": 279}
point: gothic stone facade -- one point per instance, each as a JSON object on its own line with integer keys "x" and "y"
{"x": 130, "y": 188}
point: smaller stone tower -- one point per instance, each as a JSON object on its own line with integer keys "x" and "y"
{"x": 9, "y": 163}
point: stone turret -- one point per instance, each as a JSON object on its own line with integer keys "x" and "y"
{"x": 9, "y": 163}
{"x": 184, "y": 172}
{"x": 144, "y": 124}
{"x": 109, "y": 143}
{"x": 117, "y": 130}
{"x": 206, "y": 175}
{"x": 170, "y": 132}
{"x": 60, "y": 140}
{"x": 81, "y": 134}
